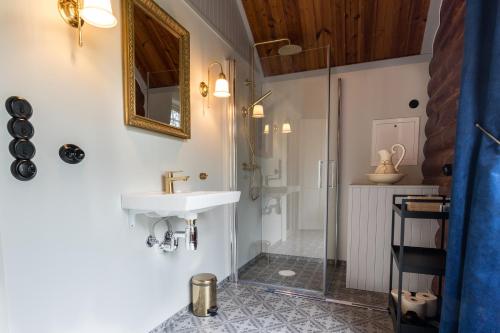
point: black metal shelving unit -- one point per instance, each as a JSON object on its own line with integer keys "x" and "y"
{"x": 420, "y": 260}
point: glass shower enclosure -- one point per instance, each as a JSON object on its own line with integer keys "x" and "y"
{"x": 286, "y": 174}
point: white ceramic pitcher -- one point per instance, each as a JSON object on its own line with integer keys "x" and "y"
{"x": 385, "y": 164}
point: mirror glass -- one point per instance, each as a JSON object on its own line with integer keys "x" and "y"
{"x": 155, "y": 70}
{"x": 157, "y": 53}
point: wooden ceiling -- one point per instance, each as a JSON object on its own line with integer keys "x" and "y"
{"x": 157, "y": 51}
{"x": 357, "y": 31}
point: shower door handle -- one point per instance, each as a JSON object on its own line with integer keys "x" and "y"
{"x": 331, "y": 174}
{"x": 320, "y": 173}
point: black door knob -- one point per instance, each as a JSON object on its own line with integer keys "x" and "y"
{"x": 71, "y": 154}
{"x": 18, "y": 107}
{"x": 20, "y": 128}
{"x": 447, "y": 170}
{"x": 23, "y": 169}
{"x": 22, "y": 149}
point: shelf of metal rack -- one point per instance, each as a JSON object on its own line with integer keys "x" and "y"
{"x": 419, "y": 260}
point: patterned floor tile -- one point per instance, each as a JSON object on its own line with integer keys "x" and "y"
{"x": 245, "y": 326}
{"x": 307, "y": 326}
{"x": 293, "y": 315}
{"x": 280, "y": 329}
{"x": 185, "y": 322}
{"x": 330, "y": 323}
{"x": 309, "y": 275}
{"x": 214, "y": 329}
{"x": 235, "y": 313}
{"x": 275, "y": 313}
{"x": 269, "y": 320}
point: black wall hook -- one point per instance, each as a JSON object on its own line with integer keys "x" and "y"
{"x": 18, "y": 107}
{"x": 22, "y": 149}
{"x": 71, "y": 154}
{"x": 22, "y": 131}
{"x": 23, "y": 170}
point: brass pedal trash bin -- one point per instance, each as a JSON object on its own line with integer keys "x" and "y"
{"x": 204, "y": 295}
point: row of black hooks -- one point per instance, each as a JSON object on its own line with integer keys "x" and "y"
{"x": 22, "y": 149}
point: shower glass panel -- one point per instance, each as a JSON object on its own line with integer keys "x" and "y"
{"x": 283, "y": 175}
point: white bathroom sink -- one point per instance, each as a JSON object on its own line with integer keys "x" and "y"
{"x": 184, "y": 205}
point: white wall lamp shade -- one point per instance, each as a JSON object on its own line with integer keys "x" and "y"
{"x": 98, "y": 13}
{"x": 258, "y": 111}
{"x": 266, "y": 129}
{"x": 286, "y": 128}
{"x": 221, "y": 87}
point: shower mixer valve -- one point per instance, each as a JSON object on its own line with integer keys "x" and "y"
{"x": 171, "y": 238}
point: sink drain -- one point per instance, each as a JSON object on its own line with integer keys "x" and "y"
{"x": 286, "y": 273}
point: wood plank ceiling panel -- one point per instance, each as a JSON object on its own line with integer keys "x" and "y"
{"x": 357, "y": 31}
{"x": 157, "y": 51}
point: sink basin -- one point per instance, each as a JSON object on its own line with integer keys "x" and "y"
{"x": 184, "y": 205}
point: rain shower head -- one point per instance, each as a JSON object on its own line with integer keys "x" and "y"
{"x": 289, "y": 49}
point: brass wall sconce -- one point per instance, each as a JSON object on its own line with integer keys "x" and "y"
{"x": 255, "y": 109}
{"x": 286, "y": 128}
{"x": 94, "y": 12}
{"x": 221, "y": 85}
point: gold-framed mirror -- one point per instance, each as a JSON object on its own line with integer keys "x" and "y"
{"x": 155, "y": 69}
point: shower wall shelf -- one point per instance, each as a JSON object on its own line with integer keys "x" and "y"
{"x": 185, "y": 205}
{"x": 419, "y": 260}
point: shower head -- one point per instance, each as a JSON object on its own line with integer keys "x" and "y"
{"x": 289, "y": 49}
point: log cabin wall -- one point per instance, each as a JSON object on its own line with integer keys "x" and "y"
{"x": 444, "y": 90}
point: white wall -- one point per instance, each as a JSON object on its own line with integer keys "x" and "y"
{"x": 370, "y": 94}
{"x": 71, "y": 262}
{"x": 3, "y": 304}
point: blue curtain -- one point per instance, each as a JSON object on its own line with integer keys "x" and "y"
{"x": 471, "y": 301}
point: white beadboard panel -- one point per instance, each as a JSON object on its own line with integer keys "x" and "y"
{"x": 369, "y": 237}
{"x": 224, "y": 17}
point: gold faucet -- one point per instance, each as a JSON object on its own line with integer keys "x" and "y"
{"x": 169, "y": 179}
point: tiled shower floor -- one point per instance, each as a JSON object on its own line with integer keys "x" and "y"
{"x": 265, "y": 268}
{"x": 304, "y": 243}
{"x": 309, "y": 275}
{"x": 252, "y": 309}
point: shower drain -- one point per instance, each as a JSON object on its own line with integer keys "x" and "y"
{"x": 286, "y": 273}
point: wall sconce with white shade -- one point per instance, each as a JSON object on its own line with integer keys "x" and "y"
{"x": 286, "y": 128}
{"x": 94, "y": 12}
{"x": 221, "y": 85}
{"x": 251, "y": 109}
{"x": 266, "y": 129}
{"x": 258, "y": 111}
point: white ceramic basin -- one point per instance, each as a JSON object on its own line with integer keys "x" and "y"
{"x": 184, "y": 205}
{"x": 385, "y": 178}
